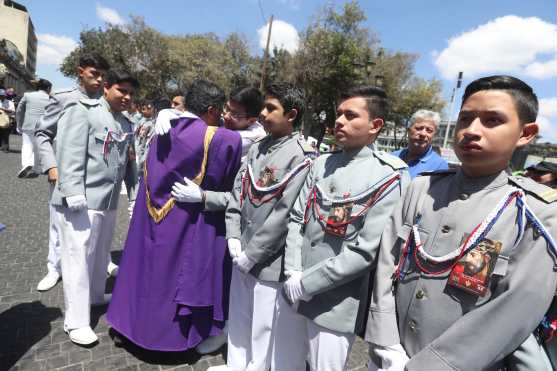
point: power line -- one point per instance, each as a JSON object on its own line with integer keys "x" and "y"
{"x": 262, "y": 13}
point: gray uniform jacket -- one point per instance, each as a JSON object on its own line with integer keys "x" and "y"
{"x": 336, "y": 268}
{"x": 262, "y": 226}
{"x": 48, "y": 124}
{"x": 30, "y": 109}
{"x": 143, "y": 134}
{"x": 88, "y": 163}
{"x": 444, "y": 327}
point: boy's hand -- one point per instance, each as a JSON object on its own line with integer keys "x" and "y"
{"x": 189, "y": 192}
{"x": 393, "y": 357}
{"x": 52, "y": 175}
{"x": 243, "y": 263}
{"x": 234, "y": 247}
{"x": 294, "y": 289}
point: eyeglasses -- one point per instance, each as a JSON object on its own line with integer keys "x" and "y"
{"x": 234, "y": 115}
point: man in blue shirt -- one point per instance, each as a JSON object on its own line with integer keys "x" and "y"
{"x": 419, "y": 155}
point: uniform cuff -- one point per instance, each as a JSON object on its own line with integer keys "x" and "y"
{"x": 429, "y": 359}
{"x": 314, "y": 281}
{"x": 72, "y": 188}
{"x": 215, "y": 201}
{"x": 382, "y": 328}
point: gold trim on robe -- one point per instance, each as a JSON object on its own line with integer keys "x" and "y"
{"x": 158, "y": 214}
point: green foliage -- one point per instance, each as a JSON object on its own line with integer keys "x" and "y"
{"x": 135, "y": 47}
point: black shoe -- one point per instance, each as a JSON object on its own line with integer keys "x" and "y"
{"x": 31, "y": 175}
{"x": 23, "y": 172}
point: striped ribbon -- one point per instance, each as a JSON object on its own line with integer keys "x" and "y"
{"x": 265, "y": 194}
{"x": 112, "y": 136}
{"x": 478, "y": 234}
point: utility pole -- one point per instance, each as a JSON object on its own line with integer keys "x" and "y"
{"x": 266, "y": 55}
{"x": 451, "y": 106}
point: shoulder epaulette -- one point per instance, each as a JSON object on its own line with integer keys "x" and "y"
{"x": 306, "y": 147}
{"x": 63, "y": 91}
{"x": 89, "y": 102}
{"x": 393, "y": 161}
{"x": 438, "y": 172}
{"x": 540, "y": 191}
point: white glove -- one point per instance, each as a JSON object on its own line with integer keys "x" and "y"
{"x": 243, "y": 263}
{"x": 293, "y": 287}
{"x": 76, "y": 203}
{"x": 189, "y": 192}
{"x": 393, "y": 357}
{"x": 234, "y": 247}
{"x": 162, "y": 124}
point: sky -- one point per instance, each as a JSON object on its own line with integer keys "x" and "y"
{"x": 477, "y": 37}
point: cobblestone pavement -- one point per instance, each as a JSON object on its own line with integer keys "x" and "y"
{"x": 31, "y": 334}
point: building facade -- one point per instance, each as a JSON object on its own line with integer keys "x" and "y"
{"x": 18, "y": 46}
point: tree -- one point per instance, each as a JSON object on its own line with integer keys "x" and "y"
{"x": 135, "y": 47}
{"x": 338, "y": 52}
{"x": 325, "y": 62}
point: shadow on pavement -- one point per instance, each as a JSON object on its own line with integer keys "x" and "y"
{"x": 21, "y": 327}
{"x": 189, "y": 357}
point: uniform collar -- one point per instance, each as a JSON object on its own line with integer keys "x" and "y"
{"x": 94, "y": 96}
{"x": 467, "y": 183}
{"x": 354, "y": 154}
{"x": 273, "y": 143}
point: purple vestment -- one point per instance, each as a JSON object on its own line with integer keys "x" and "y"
{"x": 172, "y": 287}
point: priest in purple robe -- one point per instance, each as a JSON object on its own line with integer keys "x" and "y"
{"x": 172, "y": 287}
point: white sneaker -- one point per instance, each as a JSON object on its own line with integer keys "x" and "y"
{"x": 49, "y": 281}
{"x": 213, "y": 343}
{"x": 218, "y": 368}
{"x": 83, "y": 336}
{"x": 105, "y": 300}
{"x": 112, "y": 269}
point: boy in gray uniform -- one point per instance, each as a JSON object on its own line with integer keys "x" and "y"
{"x": 334, "y": 231}
{"x": 265, "y": 190}
{"x": 91, "y": 69}
{"x": 93, "y": 140}
{"x": 29, "y": 111}
{"x": 475, "y": 273}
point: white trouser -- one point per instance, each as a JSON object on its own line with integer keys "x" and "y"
{"x": 53, "y": 262}
{"x": 257, "y": 312}
{"x": 328, "y": 349}
{"x": 86, "y": 236}
{"x": 27, "y": 149}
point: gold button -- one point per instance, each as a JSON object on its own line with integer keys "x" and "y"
{"x": 420, "y": 294}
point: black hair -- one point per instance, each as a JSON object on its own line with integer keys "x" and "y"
{"x": 161, "y": 103}
{"x": 148, "y": 102}
{"x": 525, "y": 100}
{"x": 249, "y": 98}
{"x": 93, "y": 60}
{"x": 120, "y": 76}
{"x": 290, "y": 97}
{"x": 376, "y": 100}
{"x": 44, "y": 85}
{"x": 203, "y": 94}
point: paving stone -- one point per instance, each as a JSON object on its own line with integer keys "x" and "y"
{"x": 59, "y": 361}
{"x": 76, "y": 367}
